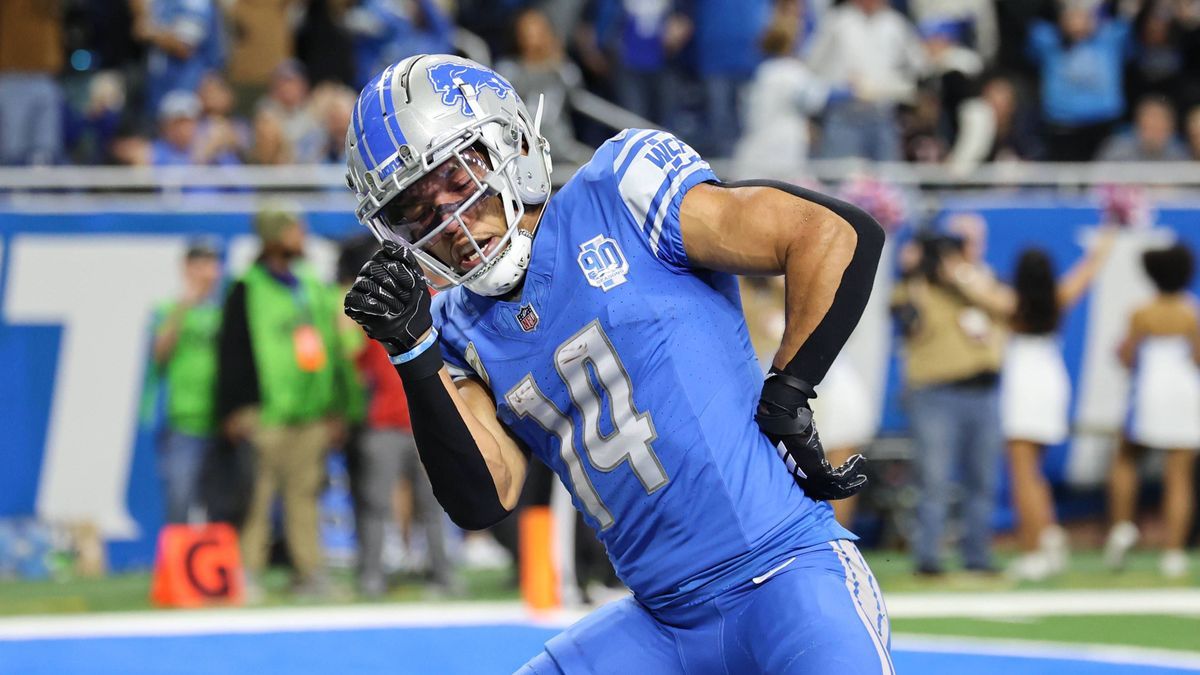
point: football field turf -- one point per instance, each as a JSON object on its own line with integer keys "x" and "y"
{"x": 1090, "y": 621}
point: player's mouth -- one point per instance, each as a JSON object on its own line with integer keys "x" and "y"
{"x": 469, "y": 258}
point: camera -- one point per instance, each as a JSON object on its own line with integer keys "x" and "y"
{"x": 934, "y": 248}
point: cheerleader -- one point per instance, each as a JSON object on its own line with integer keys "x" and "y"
{"x": 1035, "y": 394}
{"x": 1162, "y": 349}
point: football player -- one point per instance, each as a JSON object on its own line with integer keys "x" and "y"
{"x": 599, "y": 328}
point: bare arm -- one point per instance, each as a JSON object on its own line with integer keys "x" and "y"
{"x": 981, "y": 289}
{"x": 828, "y": 252}
{"x": 1076, "y": 281}
{"x": 503, "y": 456}
{"x": 761, "y": 230}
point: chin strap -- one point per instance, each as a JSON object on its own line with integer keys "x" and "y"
{"x": 507, "y": 270}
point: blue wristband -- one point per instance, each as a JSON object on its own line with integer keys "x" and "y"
{"x": 413, "y": 353}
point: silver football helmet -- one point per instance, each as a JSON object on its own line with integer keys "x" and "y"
{"x": 438, "y": 124}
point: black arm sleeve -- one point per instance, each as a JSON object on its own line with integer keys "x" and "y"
{"x": 817, "y": 353}
{"x": 237, "y": 376}
{"x": 457, "y": 471}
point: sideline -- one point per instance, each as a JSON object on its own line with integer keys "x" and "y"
{"x": 1037, "y": 649}
{"x": 1020, "y": 604}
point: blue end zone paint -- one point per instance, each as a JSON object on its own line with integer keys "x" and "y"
{"x": 31, "y": 362}
{"x": 473, "y": 650}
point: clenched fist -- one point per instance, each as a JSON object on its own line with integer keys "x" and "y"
{"x": 390, "y": 299}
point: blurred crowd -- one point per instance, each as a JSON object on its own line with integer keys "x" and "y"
{"x": 260, "y": 378}
{"x": 768, "y": 83}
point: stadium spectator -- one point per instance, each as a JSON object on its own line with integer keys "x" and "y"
{"x": 91, "y": 131}
{"x": 992, "y": 127}
{"x": 384, "y": 31}
{"x": 31, "y": 55}
{"x": 333, "y": 105}
{"x": 1035, "y": 394}
{"x": 260, "y": 40}
{"x": 1153, "y": 137}
{"x": 324, "y": 45}
{"x": 644, "y": 39}
{"x": 1081, "y": 61}
{"x": 183, "y": 40}
{"x": 185, "y": 357}
{"x": 1162, "y": 347}
{"x": 219, "y": 123}
{"x": 1187, "y": 16}
{"x": 951, "y": 80}
{"x": 1156, "y": 65}
{"x": 1192, "y": 131}
{"x": 1014, "y": 19}
{"x": 130, "y": 148}
{"x": 724, "y": 53}
{"x": 540, "y": 68}
{"x": 105, "y": 30}
{"x": 953, "y": 348}
{"x": 778, "y": 104}
{"x": 179, "y": 143}
{"x": 389, "y": 453}
{"x": 871, "y": 49}
{"x": 279, "y": 386}
{"x": 975, "y": 19}
{"x": 271, "y": 145}
{"x": 288, "y": 99}
{"x": 353, "y": 253}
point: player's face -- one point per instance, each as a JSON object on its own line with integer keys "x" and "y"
{"x": 432, "y": 201}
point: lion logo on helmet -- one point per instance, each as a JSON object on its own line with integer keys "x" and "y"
{"x": 443, "y": 77}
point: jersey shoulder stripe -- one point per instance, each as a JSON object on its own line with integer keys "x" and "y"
{"x": 652, "y": 171}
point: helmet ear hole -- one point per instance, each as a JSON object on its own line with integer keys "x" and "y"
{"x": 532, "y": 178}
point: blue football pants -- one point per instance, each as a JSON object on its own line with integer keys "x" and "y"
{"x": 821, "y": 613}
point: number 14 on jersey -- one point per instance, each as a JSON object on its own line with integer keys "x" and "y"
{"x": 631, "y": 434}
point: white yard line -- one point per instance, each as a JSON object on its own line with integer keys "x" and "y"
{"x": 1018, "y": 604}
{"x": 1123, "y": 655}
{"x": 267, "y": 620}
{"x": 263, "y": 620}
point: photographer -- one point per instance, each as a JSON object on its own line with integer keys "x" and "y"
{"x": 953, "y": 329}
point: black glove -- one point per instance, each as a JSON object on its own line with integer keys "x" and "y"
{"x": 785, "y": 417}
{"x": 390, "y": 299}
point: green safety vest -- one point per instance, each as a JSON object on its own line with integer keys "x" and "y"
{"x": 274, "y": 312}
{"x": 191, "y": 371}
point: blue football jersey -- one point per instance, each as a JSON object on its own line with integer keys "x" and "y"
{"x": 631, "y": 375}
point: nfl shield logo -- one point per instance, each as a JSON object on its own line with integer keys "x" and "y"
{"x": 527, "y": 317}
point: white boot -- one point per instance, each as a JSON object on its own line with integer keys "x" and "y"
{"x": 1033, "y": 566}
{"x": 1053, "y": 544}
{"x": 1174, "y": 564}
{"x": 1121, "y": 538}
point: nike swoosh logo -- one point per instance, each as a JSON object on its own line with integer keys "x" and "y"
{"x": 768, "y": 575}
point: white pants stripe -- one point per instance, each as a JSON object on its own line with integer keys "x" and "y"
{"x": 868, "y": 601}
